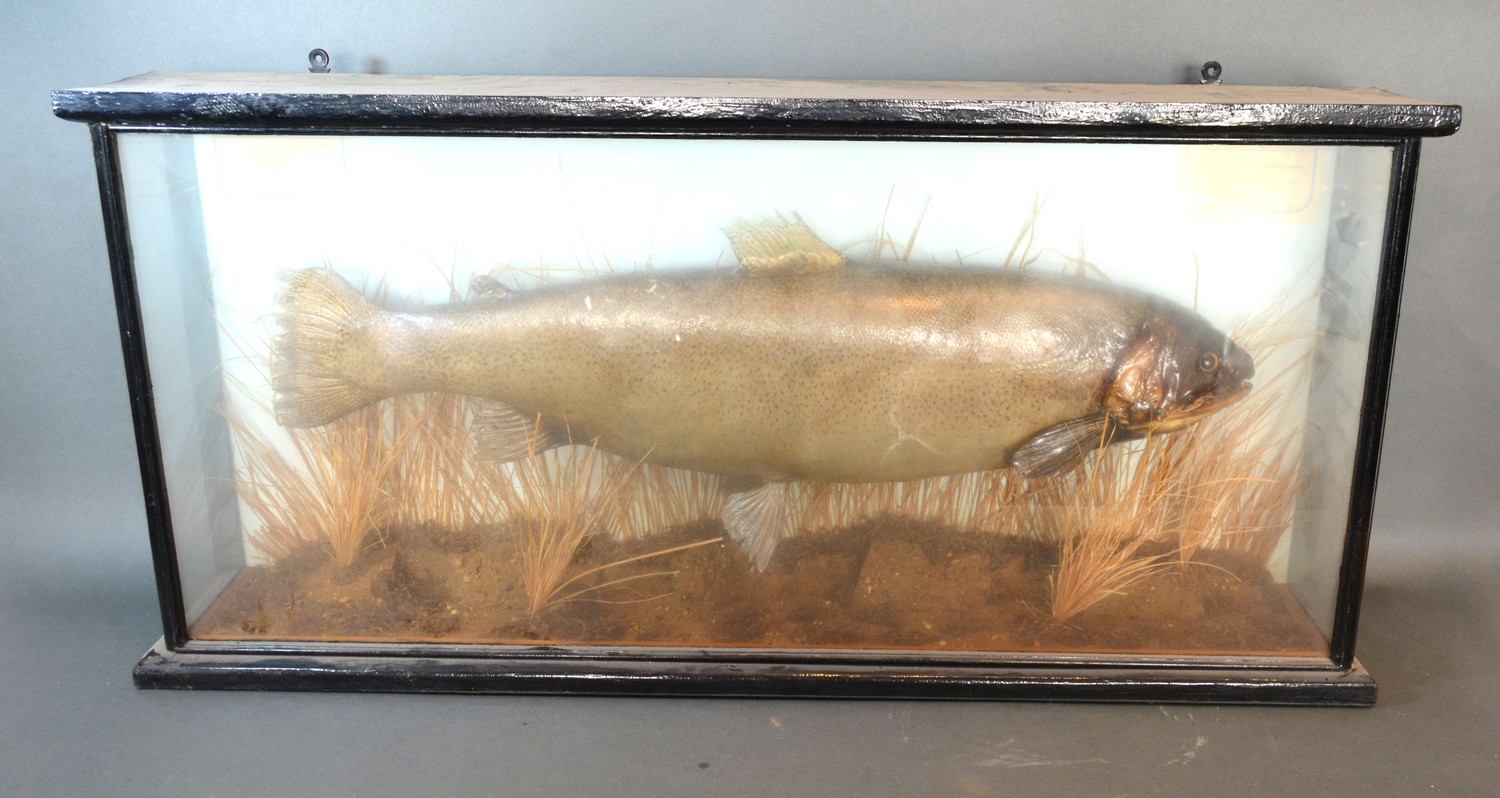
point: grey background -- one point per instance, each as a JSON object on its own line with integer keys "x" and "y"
{"x": 77, "y": 602}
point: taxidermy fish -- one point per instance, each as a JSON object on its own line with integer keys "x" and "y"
{"x": 795, "y": 366}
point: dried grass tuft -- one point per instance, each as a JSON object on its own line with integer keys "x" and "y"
{"x": 438, "y": 479}
{"x": 328, "y": 492}
{"x": 1102, "y": 514}
{"x": 571, "y": 494}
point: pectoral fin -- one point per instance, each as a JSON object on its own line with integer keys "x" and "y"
{"x": 1057, "y": 449}
{"x": 503, "y": 433}
{"x": 757, "y": 518}
{"x": 780, "y": 246}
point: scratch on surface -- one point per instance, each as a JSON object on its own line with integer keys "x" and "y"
{"x": 169, "y": 779}
{"x": 905, "y": 713}
{"x": 902, "y": 436}
{"x": 1190, "y": 754}
{"x": 1008, "y": 756}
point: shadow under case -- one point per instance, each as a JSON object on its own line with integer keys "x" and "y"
{"x": 730, "y": 387}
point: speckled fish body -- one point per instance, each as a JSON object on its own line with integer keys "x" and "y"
{"x": 853, "y": 375}
{"x": 860, "y": 374}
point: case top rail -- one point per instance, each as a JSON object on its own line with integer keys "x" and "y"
{"x": 289, "y": 99}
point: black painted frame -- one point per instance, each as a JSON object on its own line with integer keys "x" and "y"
{"x": 178, "y": 661}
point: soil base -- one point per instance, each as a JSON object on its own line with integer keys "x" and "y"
{"x": 889, "y": 583}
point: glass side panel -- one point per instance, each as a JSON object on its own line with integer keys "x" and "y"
{"x": 971, "y": 396}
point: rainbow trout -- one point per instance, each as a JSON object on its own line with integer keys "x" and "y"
{"x": 795, "y": 366}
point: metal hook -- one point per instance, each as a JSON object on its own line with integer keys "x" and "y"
{"x": 318, "y": 61}
{"x": 1212, "y": 72}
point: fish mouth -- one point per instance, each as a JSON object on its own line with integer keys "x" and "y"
{"x": 1198, "y": 409}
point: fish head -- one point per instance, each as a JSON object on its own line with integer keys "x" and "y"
{"x": 1178, "y": 370}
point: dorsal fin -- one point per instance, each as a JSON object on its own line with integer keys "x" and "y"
{"x": 779, "y": 246}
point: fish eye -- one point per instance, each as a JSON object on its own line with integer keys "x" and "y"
{"x": 1208, "y": 362}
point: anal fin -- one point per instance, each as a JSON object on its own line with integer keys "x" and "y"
{"x": 1059, "y": 448}
{"x": 758, "y": 518}
{"x": 503, "y": 434}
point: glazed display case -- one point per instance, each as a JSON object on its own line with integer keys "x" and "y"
{"x": 757, "y": 388}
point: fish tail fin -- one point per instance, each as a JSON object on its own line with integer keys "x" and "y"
{"x": 322, "y": 318}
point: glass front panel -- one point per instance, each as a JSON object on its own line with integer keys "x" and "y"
{"x": 899, "y": 395}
